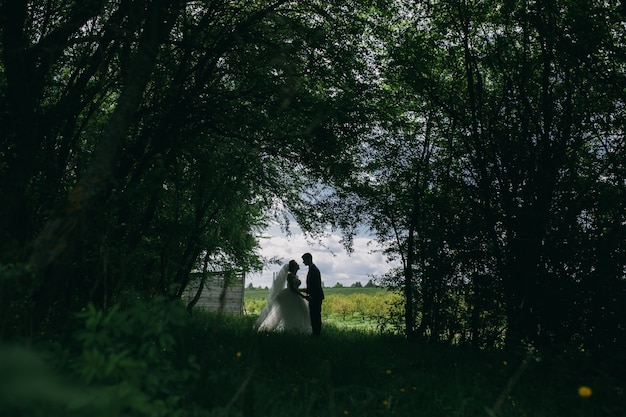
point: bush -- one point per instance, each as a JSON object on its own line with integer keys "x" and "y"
{"x": 133, "y": 352}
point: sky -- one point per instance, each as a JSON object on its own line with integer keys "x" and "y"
{"x": 334, "y": 263}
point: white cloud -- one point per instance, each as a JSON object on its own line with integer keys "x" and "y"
{"x": 335, "y": 264}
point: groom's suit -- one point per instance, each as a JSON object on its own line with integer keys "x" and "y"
{"x": 316, "y": 296}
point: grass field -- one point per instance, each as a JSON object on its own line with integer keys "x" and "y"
{"x": 334, "y": 312}
{"x": 351, "y": 373}
{"x": 159, "y": 362}
{"x": 261, "y": 293}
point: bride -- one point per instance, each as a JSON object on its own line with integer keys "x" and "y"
{"x": 286, "y": 310}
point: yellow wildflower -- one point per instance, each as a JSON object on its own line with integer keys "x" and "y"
{"x": 584, "y": 391}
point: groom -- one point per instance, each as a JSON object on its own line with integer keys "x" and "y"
{"x": 314, "y": 292}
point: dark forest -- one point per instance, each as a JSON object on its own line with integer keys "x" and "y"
{"x": 483, "y": 143}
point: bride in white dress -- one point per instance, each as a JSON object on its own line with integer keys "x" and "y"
{"x": 286, "y": 309}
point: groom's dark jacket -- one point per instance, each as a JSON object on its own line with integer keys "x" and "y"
{"x": 314, "y": 283}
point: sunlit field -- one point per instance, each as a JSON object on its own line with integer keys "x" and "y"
{"x": 366, "y": 309}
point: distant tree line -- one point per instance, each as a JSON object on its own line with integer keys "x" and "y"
{"x": 369, "y": 284}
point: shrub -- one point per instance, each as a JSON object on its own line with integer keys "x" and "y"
{"x": 133, "y": 350}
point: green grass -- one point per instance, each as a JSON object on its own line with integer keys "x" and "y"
{"x": 359, "y": 313}
{"x": 261, "y": 293}
{"x": 362, "y": 374}
{"x": 153, "y": 361}
{"x": 351, "y": 322}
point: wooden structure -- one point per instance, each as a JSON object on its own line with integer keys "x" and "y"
{"x": 222, "y": 291}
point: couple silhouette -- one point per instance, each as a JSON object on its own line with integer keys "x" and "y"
{"x": 290, "y": 308}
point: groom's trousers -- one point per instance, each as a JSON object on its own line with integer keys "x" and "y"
{"x": 315, "y": 310}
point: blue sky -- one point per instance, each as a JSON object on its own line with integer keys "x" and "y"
{"x": 335, "y": 264}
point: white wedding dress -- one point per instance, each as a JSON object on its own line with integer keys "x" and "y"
{"x": 286, "y": 310}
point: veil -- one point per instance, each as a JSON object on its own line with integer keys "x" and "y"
{"x": 279, "y": 284}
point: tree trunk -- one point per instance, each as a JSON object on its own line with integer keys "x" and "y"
{"x": 63, "y": 229}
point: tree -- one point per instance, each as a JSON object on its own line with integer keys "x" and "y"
{"x": 370, "y": 284}
{"x": 179, "y": 127}
{"x": 493, "y": 122}
{"x": 512, "y": 103}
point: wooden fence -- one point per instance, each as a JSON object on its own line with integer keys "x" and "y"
{"x": 223, "y": 291}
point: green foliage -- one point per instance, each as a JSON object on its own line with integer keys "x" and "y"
{"x": 489, "y": 177}
{"x": 240, "y": 372}
{"x": 29, "y": 387}
{"x": 181, "y": 128}
{"x": 134, "y": 350}
{"x": 369, "y": 309}
{"x": 254, "y": 305}
{"x": 18, "y": 282}
{"x": 480, "y": 141}
{"x": 361, "y": 373}
{"x": 340, "y": 305}
{"x": 262, "y": 293}
{"x": 125, "y": 362}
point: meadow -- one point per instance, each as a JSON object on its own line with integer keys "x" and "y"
{"x": 157, "y": 361}
{"x": 261, "y": 293}
{"x": 354, "y": 373}
{"x": 348, "y": 308}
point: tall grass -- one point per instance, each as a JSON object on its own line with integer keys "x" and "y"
{"x": 366, "y": 309}
{"x": 352, "y": 373}
{"x": 152, "y": 361}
